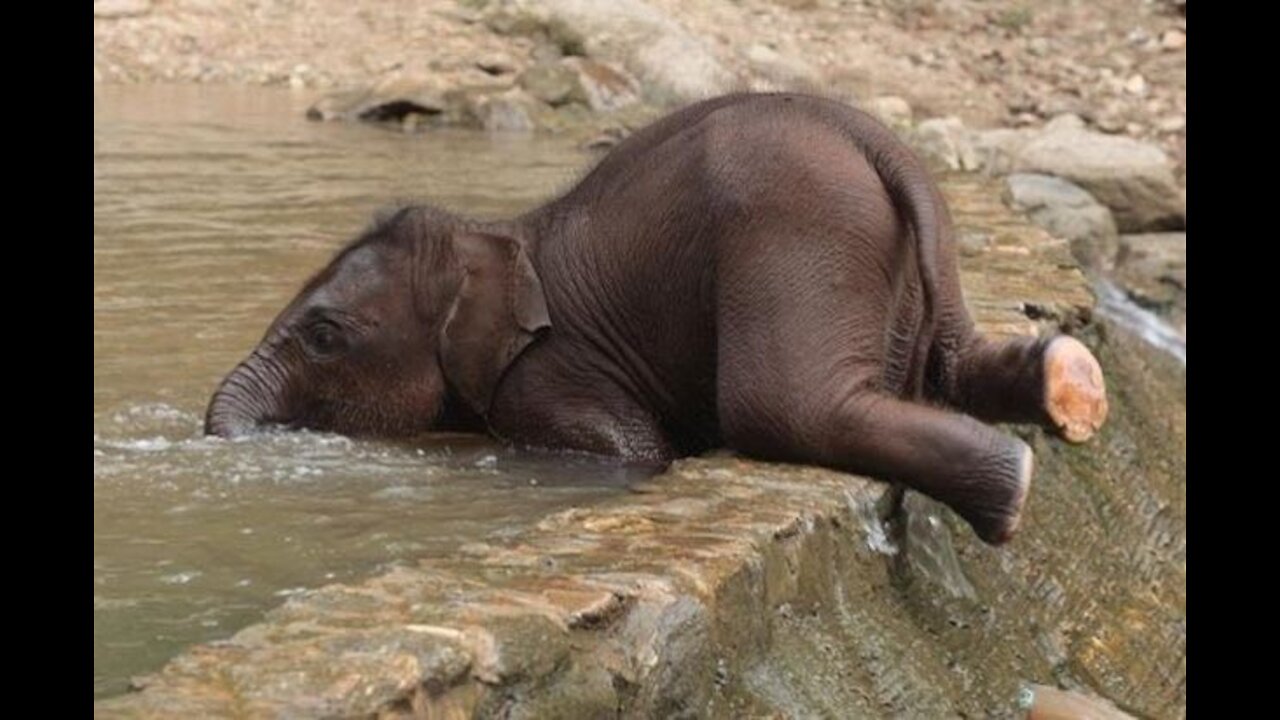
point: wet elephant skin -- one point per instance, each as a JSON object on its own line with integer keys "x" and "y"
{"x": 774, "y": 273}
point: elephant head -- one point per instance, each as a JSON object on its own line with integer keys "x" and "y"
{"x": 408, "y": 329}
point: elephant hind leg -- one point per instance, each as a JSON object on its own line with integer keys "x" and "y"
{"x": 801, "y": 378}
{"x": 979, "y": 472}
{"x": 1052, "y": 381}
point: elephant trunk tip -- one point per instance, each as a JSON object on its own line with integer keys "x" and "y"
{"x": 227, "y": 426}
{"x": 227, "y": 418}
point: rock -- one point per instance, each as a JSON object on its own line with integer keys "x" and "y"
{"x": 1137, "y": 36}
{"x": 601, "y": 86}
{"x": 1065, "y": 122}
{"x": 1063, "y": 105}
{"x": 782, "y": 70}
{"x": 552, "y": 83}
{"x": 946, "y": 144}
{"x": 973, "y": 243}
{"x": 672, "y": 64}
{"x": 1172, "y": 124}
{"x": 336, "y": 106}
{"x": 120, "y": 8}
{"x": 1041, "y": 701}
{"x": 1068, "y": 212}
{"x": 510, "y": 111}
{"x": 1136, "y": 85}
{"x": 546, "y": 52}
{"x": 891, "y": 110}
{"x": 607, "y": 138}
{"x": 1025, "y": 119}
{"x": 998, "y": 149}
{"x": 1173, "y": 40}
{"x": 1153, "y": 270}
{"x": 391, "y": 99}
{"x": 1111, "y": 118}
{"x": 1134, "y": 179}
{"x": 496, "y": 64}
{"x": 516, "y": 18}
{"x": 1021, "y": 102}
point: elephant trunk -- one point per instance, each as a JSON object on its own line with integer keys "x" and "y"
{"x": 250, "y": 396}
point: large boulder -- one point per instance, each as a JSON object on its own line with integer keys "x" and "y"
{"x": 998, "y": 148}
{"x": 1134, "y": 179}
{"x": 672, "y": 64}
{"x": 1066, "y": 211}
{"x": 600, "y": 86}
{"x": 390, "y": 99}
{"x": 551, "y": 82}
{"x": 603, "y": 86}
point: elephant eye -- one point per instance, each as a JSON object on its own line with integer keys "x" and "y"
{"x": 325, "y": 338}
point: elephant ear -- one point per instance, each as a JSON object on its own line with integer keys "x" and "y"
{"x": 498, "y": 311}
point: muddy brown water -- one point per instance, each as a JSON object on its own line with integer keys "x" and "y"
{"x": 211, "y": 207}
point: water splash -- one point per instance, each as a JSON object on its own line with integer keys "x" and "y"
{"x": 877, "y": 534}
{"x": 1115, "y": 305}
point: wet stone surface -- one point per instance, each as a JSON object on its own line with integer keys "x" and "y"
{"x": 730, "y": 588}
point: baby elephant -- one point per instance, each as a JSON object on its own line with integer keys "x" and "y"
{"x": 774, "y": 273}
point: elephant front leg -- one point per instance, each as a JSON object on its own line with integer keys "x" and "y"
{"x": 601, "y": 423}
{"x": 1052, "y": 381}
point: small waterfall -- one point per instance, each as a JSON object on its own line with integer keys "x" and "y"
{"x": 1116, "y": 306}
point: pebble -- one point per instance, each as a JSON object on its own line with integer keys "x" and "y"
{"x": 496, "y": 64}
{"x": 1173, "y": 40}
{"x": 1025, "y": 119}
{"x": 891, "y": 109}
{"x": 1137, "y": 36}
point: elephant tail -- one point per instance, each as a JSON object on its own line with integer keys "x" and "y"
{"x": 914, "y": 193}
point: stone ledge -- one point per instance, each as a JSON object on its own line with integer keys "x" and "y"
{"x": 588, "y": 607}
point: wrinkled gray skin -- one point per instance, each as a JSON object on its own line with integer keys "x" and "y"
{"x": 771, "y": 273}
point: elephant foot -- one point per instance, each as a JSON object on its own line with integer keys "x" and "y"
{"x": 997, "y": 517}
{"x": 1074, "y": 391}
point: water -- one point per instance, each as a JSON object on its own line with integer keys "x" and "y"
{"x": 211, "y": 207}
{"x": 1116, "y": 306}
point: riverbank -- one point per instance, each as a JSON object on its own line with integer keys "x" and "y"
{"x": 1082, "y": 106}
{"x": 996, "y": 63}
